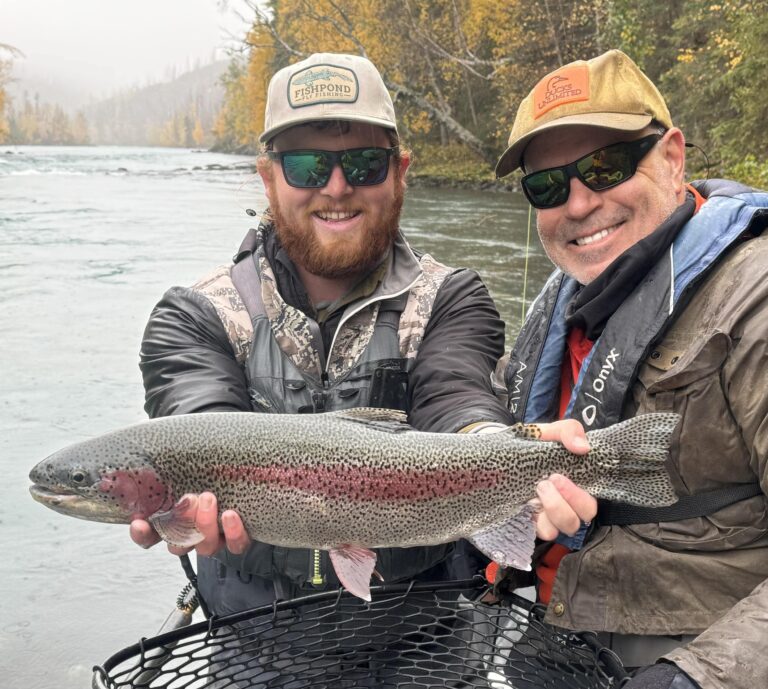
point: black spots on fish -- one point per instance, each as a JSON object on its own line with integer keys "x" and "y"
{"x": 636, "y": 451}
{"x": 527, "y": 431}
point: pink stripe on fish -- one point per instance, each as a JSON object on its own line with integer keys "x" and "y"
{"x": 363, "y": 483}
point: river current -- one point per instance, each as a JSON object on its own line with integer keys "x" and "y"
{"x": 90, "y": 238}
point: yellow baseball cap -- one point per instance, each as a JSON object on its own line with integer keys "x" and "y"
{"x": 327, "y": 86}
{"x": 607, "y": 91}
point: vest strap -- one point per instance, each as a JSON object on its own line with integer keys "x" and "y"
{"x": 246, "y": 280}
{"x": 687, "y": 507}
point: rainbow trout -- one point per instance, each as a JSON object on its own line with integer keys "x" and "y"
{"x": 348, "y": 481}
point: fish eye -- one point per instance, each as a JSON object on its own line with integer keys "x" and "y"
{"x": 78, "y": 477}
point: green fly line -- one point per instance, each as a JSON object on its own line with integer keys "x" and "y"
{"x": 525, "y": 268}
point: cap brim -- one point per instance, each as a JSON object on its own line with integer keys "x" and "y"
{"x": 268, "y": 134}
{"x": 511, "y": 158}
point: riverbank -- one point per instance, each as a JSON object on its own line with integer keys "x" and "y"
{"x": 444, "y": 167}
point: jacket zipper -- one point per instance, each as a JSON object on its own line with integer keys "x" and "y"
{"x": 316, "y": 573}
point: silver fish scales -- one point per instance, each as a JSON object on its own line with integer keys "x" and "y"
{"x": 348, "y": 481}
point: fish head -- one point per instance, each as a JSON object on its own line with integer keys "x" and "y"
{"x": 101, "y": 480}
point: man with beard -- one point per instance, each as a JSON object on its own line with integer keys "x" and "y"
{"x": 659, "y": 303}
{"x": 325, "y": 308}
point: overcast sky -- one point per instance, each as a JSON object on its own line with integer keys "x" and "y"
{"x": 102, "y": 46}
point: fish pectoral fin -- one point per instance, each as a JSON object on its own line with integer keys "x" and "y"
{"x": 511, "y": 542}
{"x": 176, "y": 527}
{"x": 354, "y": 567}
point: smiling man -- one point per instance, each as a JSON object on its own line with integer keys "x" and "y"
{"x": 326, "y": 308}
{"x": 658, "y": 303}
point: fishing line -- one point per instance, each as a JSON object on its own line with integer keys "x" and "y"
{"x": 688, "y": 144}
{"x": 252, "y": 183}
{"x": 525, "y": 266}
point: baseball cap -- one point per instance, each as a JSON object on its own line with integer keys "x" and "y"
{"x": 327, "y": 86}
{"x": 607, "y": 91}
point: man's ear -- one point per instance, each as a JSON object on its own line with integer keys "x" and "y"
{"x": 674, "y": 156}
{"x": 264, "y": 168}
{"x": 405, "y": 161}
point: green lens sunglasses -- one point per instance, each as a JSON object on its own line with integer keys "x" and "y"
{"x": 311, "y": 169}
{"x": 602, "y": 169}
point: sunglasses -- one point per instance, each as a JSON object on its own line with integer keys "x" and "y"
{"x": 311, "y": 169}
{"x": 602, "y": 169}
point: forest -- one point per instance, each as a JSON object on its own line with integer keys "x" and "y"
{"x": 457, "y": 70}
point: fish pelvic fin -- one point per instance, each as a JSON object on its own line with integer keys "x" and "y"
{"x": 640, "y": 448}
{"x": 177, "y": 526}
{"x": 511, "y": 542}
{"x": 354, "y": 567}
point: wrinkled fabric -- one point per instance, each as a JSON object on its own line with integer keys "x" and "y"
{"x": 704, "y": 576}
{"x": 661, "y": 676}
{"x": 188, "y": 363}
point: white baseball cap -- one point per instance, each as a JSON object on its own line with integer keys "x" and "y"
{"x": 327, "y": 86}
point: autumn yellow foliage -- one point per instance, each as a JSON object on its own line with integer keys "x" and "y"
{"x": 457, "y": 69}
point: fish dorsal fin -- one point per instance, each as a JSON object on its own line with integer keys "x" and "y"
{"x": 511, "y": 542}
{"x": 389, "y": 420}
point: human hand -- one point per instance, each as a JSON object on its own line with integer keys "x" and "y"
{"x": 568, "y": 432}
{"x": 661, "y": 676}
{"x": 564, "y": 506}
{"x": 203, "y": 511}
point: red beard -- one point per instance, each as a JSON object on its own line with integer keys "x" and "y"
{"x": 346, "y": 256}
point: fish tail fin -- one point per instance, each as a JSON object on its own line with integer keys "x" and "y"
{"x": 640, "y": 447}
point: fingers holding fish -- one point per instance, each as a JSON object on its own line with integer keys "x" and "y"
{"x": 202, "y": 511}
{"x": 235, "y": 535}
{"x": 230, "y": 534}
{"x": 564, "y": 506}
{"x": 569, "y": 432}
{"x": 142, "y": 533}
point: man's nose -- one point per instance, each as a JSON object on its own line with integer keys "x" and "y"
{"x": 337, "y": 183}
{"x": 581, "y": 199}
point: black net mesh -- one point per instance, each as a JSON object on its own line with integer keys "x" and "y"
{"x": 436, "y": 635}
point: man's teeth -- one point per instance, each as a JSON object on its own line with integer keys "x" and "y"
{"x": 336, "y": 215}
{"x": 583, "y": 241}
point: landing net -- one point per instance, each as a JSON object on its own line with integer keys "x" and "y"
{"x": 408, "y": 637}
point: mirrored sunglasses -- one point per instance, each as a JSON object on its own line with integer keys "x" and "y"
{"x": 602, "y": 169}
{"x": 310, "y": 169}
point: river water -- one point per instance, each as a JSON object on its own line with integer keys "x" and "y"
{"x": 90, "y": 237}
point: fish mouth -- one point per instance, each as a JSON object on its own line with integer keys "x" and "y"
{"x": 75, "y": 505}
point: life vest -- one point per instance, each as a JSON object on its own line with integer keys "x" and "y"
{"x": 532, "y": 374}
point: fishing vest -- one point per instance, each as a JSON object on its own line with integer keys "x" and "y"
{"x": 288, "y": 371}
{"x": 532, "y": 374}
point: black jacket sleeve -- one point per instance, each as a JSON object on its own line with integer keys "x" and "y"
{"x": 187, "y": 361}
{"x": 450, "y": 383}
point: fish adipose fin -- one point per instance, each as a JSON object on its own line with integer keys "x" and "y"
{"x": 511, "y": 542}
{"x": 354, "y": 567}
{"x": 176, "y": 527}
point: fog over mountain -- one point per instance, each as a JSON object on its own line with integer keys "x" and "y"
{"x": 78, "y": 52}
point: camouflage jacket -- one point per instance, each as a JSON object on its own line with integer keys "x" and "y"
{"x": 195, "y": 357}
{"x": 189, "y": 364}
